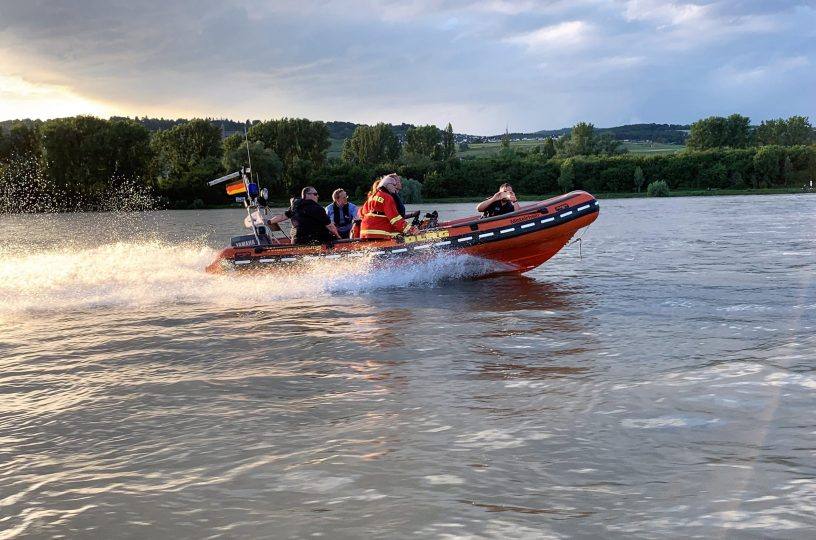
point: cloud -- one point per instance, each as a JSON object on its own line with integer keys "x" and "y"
{"x": 764, "y": 74}
{"x": 664, "y": 13}
{"x": 565, "y": 34}
{"x": 478, "y": 64}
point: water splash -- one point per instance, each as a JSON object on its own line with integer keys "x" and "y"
{"x": 26, "y": 188}
{"x": 147, "y": 273}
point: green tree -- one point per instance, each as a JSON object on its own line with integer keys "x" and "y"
{"x": 85, "y": 156}
{"x": 582, "y": 139}
{"x": 796, "y": 130}
{"x": 768, "y": 162}
{"x": 22, "y": 141}
{"x": 638, "y": 177}
{"x": 294, "y": 140}
{"x": 608, "y": 145}
{"x": 566, "y": 180}
{"x": 771, "y": 132}
{"x": 411, "y": 191}
{"x": 266, "y": 165}
{"x": 188, "y": 156}
{"x": 658, "y": 189}
{"x": 505, "y": 141}
{"x": 719, "y": 132}
{"x": 371, "y": 145}
{"x": 787, "y": 171}
{"x": 232, "y": 143}
{"x": 548, "y": 148}
{"x": 423, "y": 141}
{"x": 448, "y": 143}
{"x": 739, "y": 131}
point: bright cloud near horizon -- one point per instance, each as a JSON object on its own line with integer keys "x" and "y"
{"x": 481, "y": 65}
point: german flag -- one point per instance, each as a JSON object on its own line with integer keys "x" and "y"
{"x": 235, "y": 188}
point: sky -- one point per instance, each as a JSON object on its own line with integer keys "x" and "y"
{"x": 483, "y": 65}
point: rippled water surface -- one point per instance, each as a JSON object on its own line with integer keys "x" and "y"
{"x": 660, "y": 385}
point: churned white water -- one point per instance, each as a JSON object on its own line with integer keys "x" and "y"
{"x": 147, "y": 274}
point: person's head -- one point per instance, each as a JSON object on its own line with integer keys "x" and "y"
{"x": 506, "y": 188}
{"x": 309, "y": 193}
{"x": 398, "y": 179}
{"x": 339, "y": 196}
{"x": 388, "y": 183}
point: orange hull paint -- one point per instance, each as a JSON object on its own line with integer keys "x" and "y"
{"x": 520, "y": 241}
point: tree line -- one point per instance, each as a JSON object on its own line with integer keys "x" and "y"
{"x": 86, "y": 158}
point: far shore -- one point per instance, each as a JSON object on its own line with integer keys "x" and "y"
{"x": 525, "y": 198}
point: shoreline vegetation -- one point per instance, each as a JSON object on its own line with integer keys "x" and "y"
{"x": 87, "y": 163}
{"x": 280, "y": 203}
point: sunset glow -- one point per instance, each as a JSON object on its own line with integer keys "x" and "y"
{"x": 20, "y": 98}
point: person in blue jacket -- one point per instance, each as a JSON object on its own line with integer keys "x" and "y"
{"x": 341, "y": 212}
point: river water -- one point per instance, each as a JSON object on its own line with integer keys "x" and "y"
{"x": 659, "y": 385}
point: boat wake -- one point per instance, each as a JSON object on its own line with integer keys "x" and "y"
{"x": 145, "y": 274}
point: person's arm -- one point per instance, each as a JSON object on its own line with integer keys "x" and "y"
{"x": 392, "y": 214}
{"x": 482, "y": 206}
{"x": 277, "y": 219}
{"x": 319, "y": 213}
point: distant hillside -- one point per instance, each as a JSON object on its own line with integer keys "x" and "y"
{"x": 659, "y": 133}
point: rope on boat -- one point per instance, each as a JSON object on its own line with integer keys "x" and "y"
{"x": 579, "y": 241}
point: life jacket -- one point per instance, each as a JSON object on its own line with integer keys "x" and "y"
{"x": 498, "y": 208}
{"x": 399, "y": 203}
{"x": 337, "y": 213}
{"x": 381, "y": 217}
{"x": 341, "y": 217}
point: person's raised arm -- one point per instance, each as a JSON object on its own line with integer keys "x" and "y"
{"x": 482, "y": 206}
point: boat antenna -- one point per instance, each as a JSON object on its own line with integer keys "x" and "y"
{"x": 249, "y": 157}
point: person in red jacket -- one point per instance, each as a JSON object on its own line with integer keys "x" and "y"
{"x": 380, "y": 216}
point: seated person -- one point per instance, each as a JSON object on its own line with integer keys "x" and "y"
{"x": 341, "y": 212}
{"x": 380, "y": 217}
{"x": 310, "y": 224}
{"x": 398, "y": 199}
{"x": 503, "y": 202}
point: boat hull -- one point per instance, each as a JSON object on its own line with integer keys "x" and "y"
{"x": 518, "y": 242}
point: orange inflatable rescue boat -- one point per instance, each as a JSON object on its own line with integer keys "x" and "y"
{"x": 518, "y": 242}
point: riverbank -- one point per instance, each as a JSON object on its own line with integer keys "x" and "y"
{"x": 634, "y": 195}
{"x": 281, "y": 203}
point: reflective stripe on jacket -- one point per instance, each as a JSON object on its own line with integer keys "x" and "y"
{"x": 381, "y": 218}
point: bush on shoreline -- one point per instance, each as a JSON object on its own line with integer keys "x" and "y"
{"x": 658, "y": 188}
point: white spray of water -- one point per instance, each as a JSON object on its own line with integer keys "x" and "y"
{"x": 145, "y": 274}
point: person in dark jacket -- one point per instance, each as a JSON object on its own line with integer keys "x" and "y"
{"x": 310, "y": 224}
{"x": 503, "y": 202}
